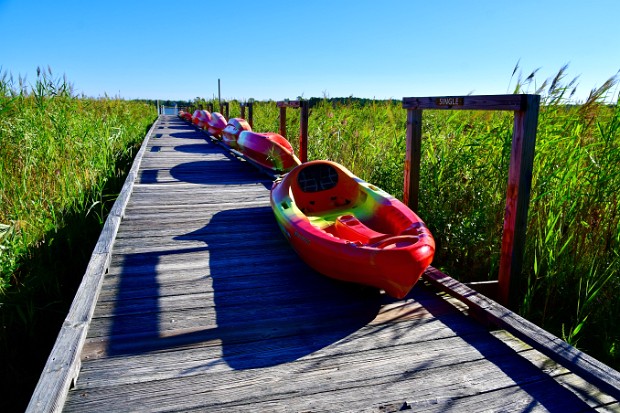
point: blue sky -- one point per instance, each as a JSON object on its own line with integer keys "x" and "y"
{"x": 284, "y": 49}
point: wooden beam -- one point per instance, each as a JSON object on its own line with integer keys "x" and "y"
{"x": 481, "y": 102}
{"x": 517, "y": 200}
{"x": 288, "y": 104}
{"x": 413, "y": 157}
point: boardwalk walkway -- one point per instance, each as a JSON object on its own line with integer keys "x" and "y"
{"x": 205, "y": 307}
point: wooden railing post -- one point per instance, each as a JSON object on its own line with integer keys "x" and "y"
{"x": 303, "y": 131}
{"x": 518, "y": 199}
{"x": 413, "y": 156}
{"x": 225, "y": 108}
{"x": 242, "y": 107}
{"x": 251, "y": 113}
{"x": 525, "y": 108}
{"x": 282, "y": 129}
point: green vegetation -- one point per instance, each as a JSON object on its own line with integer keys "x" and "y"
{"x": 62, "y": 159}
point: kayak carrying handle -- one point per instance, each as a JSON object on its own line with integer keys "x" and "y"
{"x": 409, "y": 239}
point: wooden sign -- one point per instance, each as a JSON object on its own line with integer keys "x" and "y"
{"x": 449, "y": 101}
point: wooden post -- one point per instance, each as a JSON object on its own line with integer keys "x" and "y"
{"x": 303, "y": 131}
{"x": 518, "y": 199}
{"x": 242, "y": 107}
{"x": 210, "y": 107}
{"x": 219, "y": 94}
{"x": 525, "y": 109}
{"x": 225, "y": 108}
{"x": 251, "y": 114}
{"x": 282, "y": 130}
{"x": 413, "y": 157}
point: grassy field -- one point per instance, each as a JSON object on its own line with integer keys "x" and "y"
{"x": 62, "y": 160}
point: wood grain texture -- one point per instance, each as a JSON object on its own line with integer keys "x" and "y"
{"x": 595, "y": 372}
{"x": 478, "y": 102}
{"x": 517, "y": 202}
{"x": 205, "y": 307}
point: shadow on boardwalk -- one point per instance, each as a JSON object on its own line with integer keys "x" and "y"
{"x": 270, "y": 308}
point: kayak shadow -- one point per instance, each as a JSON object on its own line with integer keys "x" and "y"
{"x": 187, "y": 135}
{"x": 271, "y": 308}
{"x": 227, "y": 171}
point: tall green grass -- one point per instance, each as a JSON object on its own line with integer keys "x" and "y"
{"x": 62, "y": 160}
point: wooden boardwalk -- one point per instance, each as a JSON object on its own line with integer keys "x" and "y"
{"x": 205, "y": 307}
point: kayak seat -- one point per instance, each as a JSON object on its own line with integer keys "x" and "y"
{"x": 350, "y": 228}
{"x": 322, "y": 189}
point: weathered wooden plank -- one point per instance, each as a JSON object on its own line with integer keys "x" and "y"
{"x": 346, "y": 383}
{"x": 413, "y": 156}
{"x": 517, "y": 202}
{"x": 595, "y": 372}
{"x": 271, "y": 339}
{"x": 378, "y": 344}
{"x": 288, "y": 103}
{"x": 63, "y": 364}
{"x": 479, "y": 102}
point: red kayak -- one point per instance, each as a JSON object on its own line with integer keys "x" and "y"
{"x": 200, "y": 118}
{"x": 185, "y": 115}
{"x": 270, "y": 150}
{"x": 350, "y": 230}
{"x": 216, "y": 124}
{"x": 196, "y": 117}
{"x": 231, "y": 132}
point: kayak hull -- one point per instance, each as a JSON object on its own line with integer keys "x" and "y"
{"x": 350, "y": 230}
{"x": 233, "y": 129}
{"x": 216, "y": 124}
{"x": 270, "y": 150}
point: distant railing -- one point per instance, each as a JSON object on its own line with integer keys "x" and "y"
{"x": 250, "y": 105}
{"x": 303, "y": 123}
{"x": 168, "y": 110}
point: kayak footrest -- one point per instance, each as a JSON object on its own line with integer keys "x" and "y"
{"x": 350, "y": 228}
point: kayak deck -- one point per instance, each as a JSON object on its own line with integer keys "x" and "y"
{"x": 205, "y": 307}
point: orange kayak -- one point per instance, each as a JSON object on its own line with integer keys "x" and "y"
{"x": 350, "y": 230}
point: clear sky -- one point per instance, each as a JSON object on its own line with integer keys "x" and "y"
{"x": 311, "y": 48}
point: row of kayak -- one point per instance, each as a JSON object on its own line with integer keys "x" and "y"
{"x": 340, "y": 225}
{"x": 270, "y": 150}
